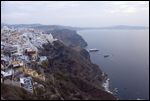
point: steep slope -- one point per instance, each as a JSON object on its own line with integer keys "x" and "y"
{"x": 9, "y": 92}
{"x": 69, "y": 76}
{"x": 68, "y": 61}
{"x": 69, "y": 37}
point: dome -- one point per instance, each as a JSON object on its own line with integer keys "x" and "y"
{"x": 6, "y": 28}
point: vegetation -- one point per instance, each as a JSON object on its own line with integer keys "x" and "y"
{"x": 16, "y": 93}
{"x": 61, "y": 77}
{"x": 45, "y": 66}
{"x": 62, "y": 71}
{"x": 39, "y": 91}
{"x": 38, "y": 71}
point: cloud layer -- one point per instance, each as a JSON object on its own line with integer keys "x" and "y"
{"x": 76, "y": 13}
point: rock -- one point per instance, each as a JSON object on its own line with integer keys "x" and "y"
{"x": 68, "y": 37}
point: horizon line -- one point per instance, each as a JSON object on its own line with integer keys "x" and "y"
{"x": 73, "y": 26}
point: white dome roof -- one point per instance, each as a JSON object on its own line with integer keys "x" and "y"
{"x": 5, "y": 27}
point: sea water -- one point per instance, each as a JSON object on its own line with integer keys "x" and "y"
{"x": 128, "y": 63}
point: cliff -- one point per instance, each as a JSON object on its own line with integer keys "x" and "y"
{"x": 69, "y": 37}
{"x": 76, "y": 67}
{"x": 65, "y": 34}
{"x": 68, "y": 74}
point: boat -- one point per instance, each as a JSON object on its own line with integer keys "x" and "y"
{"x": 93, "y": 50}
{"x": 106, "y": 55}
{"x": 116, "y": 90}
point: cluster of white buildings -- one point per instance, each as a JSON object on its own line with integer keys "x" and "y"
{"x": 18, "y": 46}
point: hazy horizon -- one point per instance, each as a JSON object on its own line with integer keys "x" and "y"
{"x": 76, "y": 13}
{"x": 77, "y": 26}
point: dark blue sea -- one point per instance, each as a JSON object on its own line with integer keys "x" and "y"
{"x": 128, "y": 63}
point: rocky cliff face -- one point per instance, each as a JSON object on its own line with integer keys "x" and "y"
{"x": 69, "y": 75}
{"x": 68, "y": 60}
{"x": 76, "y": 68}
{"x": 69, "y": 37}
{"x": 85, "y": 54}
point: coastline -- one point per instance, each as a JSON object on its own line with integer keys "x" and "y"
{"x": 97, "y": 58}
{"x": 106, "y": 85}
{"x": 105, "y": 82}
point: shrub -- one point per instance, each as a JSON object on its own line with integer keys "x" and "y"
{"x": 39, "y": 72}
{"x": 39, "y": 91}
{"x": 62, "y": 77}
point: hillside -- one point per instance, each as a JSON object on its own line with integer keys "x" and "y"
{"x": 75, "y": 66}
{"x": 69, "y": 75}
{"x": 68, "y": 37}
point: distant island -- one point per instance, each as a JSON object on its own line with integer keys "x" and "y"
{"x": 37, "y": 26}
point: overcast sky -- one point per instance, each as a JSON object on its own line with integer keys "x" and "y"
{"x": 76, "y": 13}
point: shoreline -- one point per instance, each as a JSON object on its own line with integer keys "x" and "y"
{"x": 97, "y": 59}
{"x": 105, "y": 82}
{"x": 106, "y": 85}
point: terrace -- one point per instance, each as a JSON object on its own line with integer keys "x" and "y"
{"x": 17, "y": 63}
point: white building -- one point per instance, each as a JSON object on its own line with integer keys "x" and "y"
{"x": 5, "y": 28}
{"x": 12, "y": 28}
{"x": 8, "y": 73}
{"x": 50, "y": 38}
{"x": 26, "y": 83}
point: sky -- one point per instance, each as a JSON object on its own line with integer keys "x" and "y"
{"x": 76, "y": 13}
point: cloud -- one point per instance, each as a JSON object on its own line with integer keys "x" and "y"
{"x": 119, "y": 2}
{"x": 84, "y": 16}
{"x": 31, "y": 8}
{"x": 71, "y": 11}
{"x": 130, "y": 10}
{"x": 114, "y": 11}
{"x": 60, "y": 5}
{"x": 141, "y": 2}
{"x": 15, "y": 17}
{"x": 129, "y": 7}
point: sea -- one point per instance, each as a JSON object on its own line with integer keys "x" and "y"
{"x": 128, "y": 63}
